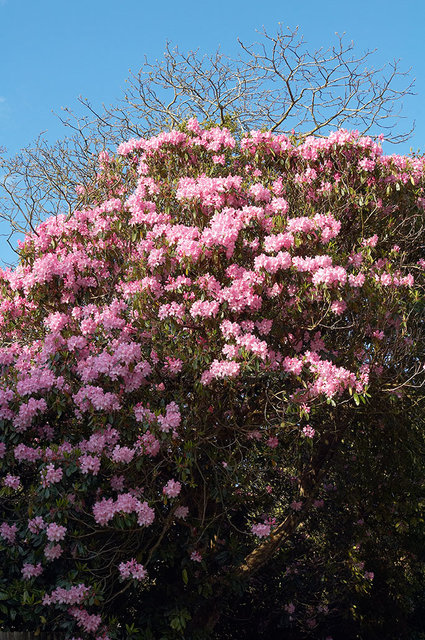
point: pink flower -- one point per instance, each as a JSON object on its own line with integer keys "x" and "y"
{"x": 308, "y": 431}
{"x": 31, "y": 571}
{"x": 146, "y": 515}
{"x": 181, "y": 512}
{"x": 338, "y": 307}
{"x": 172, "y": 488}
{"x": 53, "y": 552}
{"x": 13, "y": 482}
{"x": 220, "y": 369}
{"x": 131, "y": 569}
{"x": 8, "y": 532}
{"x": 37, "y": 524}
{"x": 122, "y": 454}
{"x": 290, "y": 608}
{"x": 117, "y": 483}
{"x": 195, "y": 556}
{"x": 147, "y": 444}
{"x": 370, "y": 242}
{"x": 261, "y": 530}
{"x": 51, "y": 475}
{"x": 55, "y": 532}
{"x": 74, "y": 595}
{"x": 88, "y": 622}
{"x": 89, "y": 464}
{"x": 296, "y": 506}
{"x": 273, "y": 442}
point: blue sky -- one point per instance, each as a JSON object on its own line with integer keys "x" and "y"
{"x": 52, "y": 51}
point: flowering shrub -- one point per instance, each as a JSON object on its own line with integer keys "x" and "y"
{"x": 182, "y": 363}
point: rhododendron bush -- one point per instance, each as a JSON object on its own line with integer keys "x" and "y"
{"x": 202, "y": 372}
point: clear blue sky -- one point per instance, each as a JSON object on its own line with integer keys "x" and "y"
{"x": 52, "y": 51}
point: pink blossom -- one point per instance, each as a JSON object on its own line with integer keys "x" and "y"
{"x": 172, "y": 488}
{"x": 74, "y": 595}
{"x": 261, "y": 530}
{"x": 55, "y": 532}
{"x": 104, "y": 511}
{"x": 338, "y": 307}
{"x": 181, "y": 512}
{"x": 172, "y": 418}
{"x": 296, "y": 506}
{"x": 31, "y": 570}
{"x": 308, "y": 432}
{"x": 330, "y": 275}
{"x": 56, "y": 321}
{"x": 220, "y": 369}
{"x": 205, "y": 309}
{"x": 370, "y": 242}
{"x": 195, "y": 556}
{"x": 148, "y": 444}
{"x": 146, "y": 514}
{"x": 89, "y": 464}
{"x": 131, "y": 569}
{"x": 51, "y": 475}
{"x": 367, "y": 164}
{"x": 53, "y": 552}
{"x": 37, "y": 524}
{"x": 27, "y": 412}
{"x": 273, "y": 442}
{"x": 122, "y": 454}
{"x": 23, "y": 453}
{"x": 13, "y": 482}
{"x": 88, "y": 622}
{"x": 8, "y": 532}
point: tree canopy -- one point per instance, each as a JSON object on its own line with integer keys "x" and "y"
{"x": 211, "y": 394}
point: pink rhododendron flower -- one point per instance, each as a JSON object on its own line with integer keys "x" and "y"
{"x": 51, "y": 475}
{"x": 131, "y": 569}
{"x": 181, "y": 512}
{"x": 296, "y": 506}
{"x": 261, "y": 530}
{"x": 370, "y": 242}
{"x": 31, "y": 570}
{"x": 37, "y": 524}
{"x": 308, "y": 431}
{"x": 13, "y": 482}
{"x": 8, "y": 532}
{"x": 172, "y": 488}
{"x": 89, "y": 464}
{"x": 90, "y": 623}
{"x": 74, "y": 595}
{"x": 273, "y": 442}
{"x": 53, "y": 552}
{"x": 55, "y": 532}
